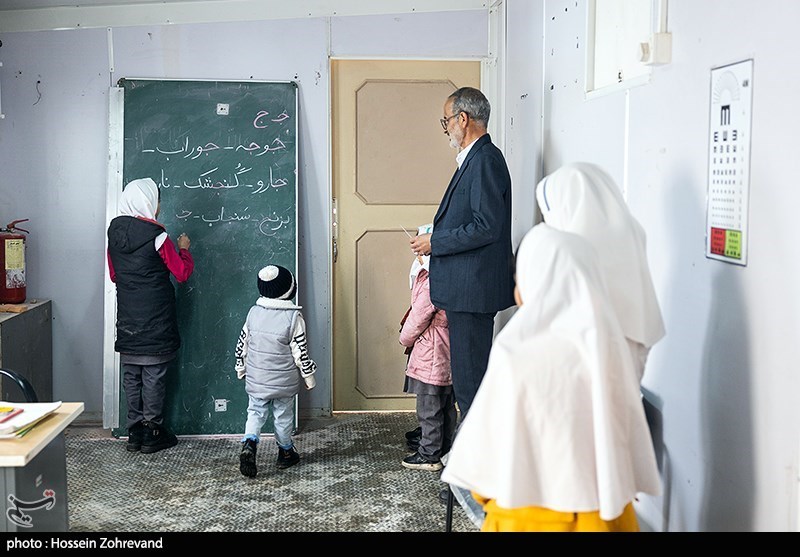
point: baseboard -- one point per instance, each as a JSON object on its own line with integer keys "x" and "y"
{"x": 90, "y": 419}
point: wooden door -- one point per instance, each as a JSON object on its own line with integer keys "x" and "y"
{"x": 391, "y": 165}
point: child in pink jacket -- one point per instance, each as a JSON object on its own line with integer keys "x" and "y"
{"x": 428, "y": 372}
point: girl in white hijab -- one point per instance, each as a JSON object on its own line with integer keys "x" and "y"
{"x": 583, "y": 199}
{"x": 141, "y": 258}
{"x": 559, "y": 403}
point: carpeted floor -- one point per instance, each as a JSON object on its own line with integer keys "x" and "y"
{"x": 349, "y": 479}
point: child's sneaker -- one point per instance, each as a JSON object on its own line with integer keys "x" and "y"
{"x": 247, "y": 458}
{"x": 287, "y": 457}
{"x": 413, "y": 439}
{"x": 418, "y": 462}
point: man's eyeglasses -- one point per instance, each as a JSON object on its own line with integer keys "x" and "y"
{"x": 444, "y": 121}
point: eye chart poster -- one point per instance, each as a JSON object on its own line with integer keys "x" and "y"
{"x": 729, "y": 162}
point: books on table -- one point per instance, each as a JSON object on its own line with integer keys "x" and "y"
{"x": 8, "y": 412}
{"x": 19, "y": 417}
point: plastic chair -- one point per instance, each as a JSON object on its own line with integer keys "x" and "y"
{"x": 23, "y": 384}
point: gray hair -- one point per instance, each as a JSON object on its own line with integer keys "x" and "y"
{"x": 473, "y": 102}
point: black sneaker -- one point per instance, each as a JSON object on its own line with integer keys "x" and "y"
{"x": 287, "y": 457}
{"x": 157, "y": 438}
{"x": 418, "y": 462}
{"x": 413, "y": 444}
{"x": 414, "y": 434}
{"x": 247, "y": 458}
{"x": 135, "y": 435}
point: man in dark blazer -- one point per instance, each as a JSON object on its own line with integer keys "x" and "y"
{"x": 471, "y": 266}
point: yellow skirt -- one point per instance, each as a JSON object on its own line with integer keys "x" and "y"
{"x": 539, "y": 519}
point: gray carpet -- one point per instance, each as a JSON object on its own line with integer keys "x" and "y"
{"x": 349, "y": 479}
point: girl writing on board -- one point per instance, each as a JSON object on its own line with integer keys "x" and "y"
{"x": 141, "y": 258}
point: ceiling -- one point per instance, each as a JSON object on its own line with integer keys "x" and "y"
{"x": 42, "y": 15}
{"x": 32, "y": 4}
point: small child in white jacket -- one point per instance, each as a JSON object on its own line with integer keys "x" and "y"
{"x": 272, "y": 357}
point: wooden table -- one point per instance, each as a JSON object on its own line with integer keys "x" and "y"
{"x": 34, "y": 468}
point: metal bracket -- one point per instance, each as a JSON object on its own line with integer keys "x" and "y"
{"x": 1, "y": 107}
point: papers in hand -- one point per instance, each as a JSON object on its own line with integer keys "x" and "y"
{"x": 29, "y": 413}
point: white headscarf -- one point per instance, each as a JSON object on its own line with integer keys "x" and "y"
{"x": 140, "y": 199}
{"x": 559, "y": 400}
{"x": 583, "y": 199}
{"x": 417, "y": 265}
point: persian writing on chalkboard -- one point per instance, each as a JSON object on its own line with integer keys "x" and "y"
{"x": 247, "y": 173}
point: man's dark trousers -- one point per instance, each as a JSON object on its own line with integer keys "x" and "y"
{"x": 470, "y": 342}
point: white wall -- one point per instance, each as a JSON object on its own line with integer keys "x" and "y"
{"x": 723, "y": 381}
{"x": 53, "y": 156}
{"x": 523, "y": 109}
{"x": 53, "y": 153}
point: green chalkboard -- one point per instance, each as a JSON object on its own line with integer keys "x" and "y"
{"x": 224, "y": 155}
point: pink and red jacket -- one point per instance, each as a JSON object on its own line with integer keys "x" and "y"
{"x": 425, "y": 329}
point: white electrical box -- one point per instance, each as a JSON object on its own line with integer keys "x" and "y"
{"x": 657, "y": 51}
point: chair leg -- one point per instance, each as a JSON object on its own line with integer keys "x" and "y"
{"x": 449, "y": 517}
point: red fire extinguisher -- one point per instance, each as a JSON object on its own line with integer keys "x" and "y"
{"x": 12, "y": 258}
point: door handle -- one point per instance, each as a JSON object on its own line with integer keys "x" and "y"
{"x": 335, "y": 229}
